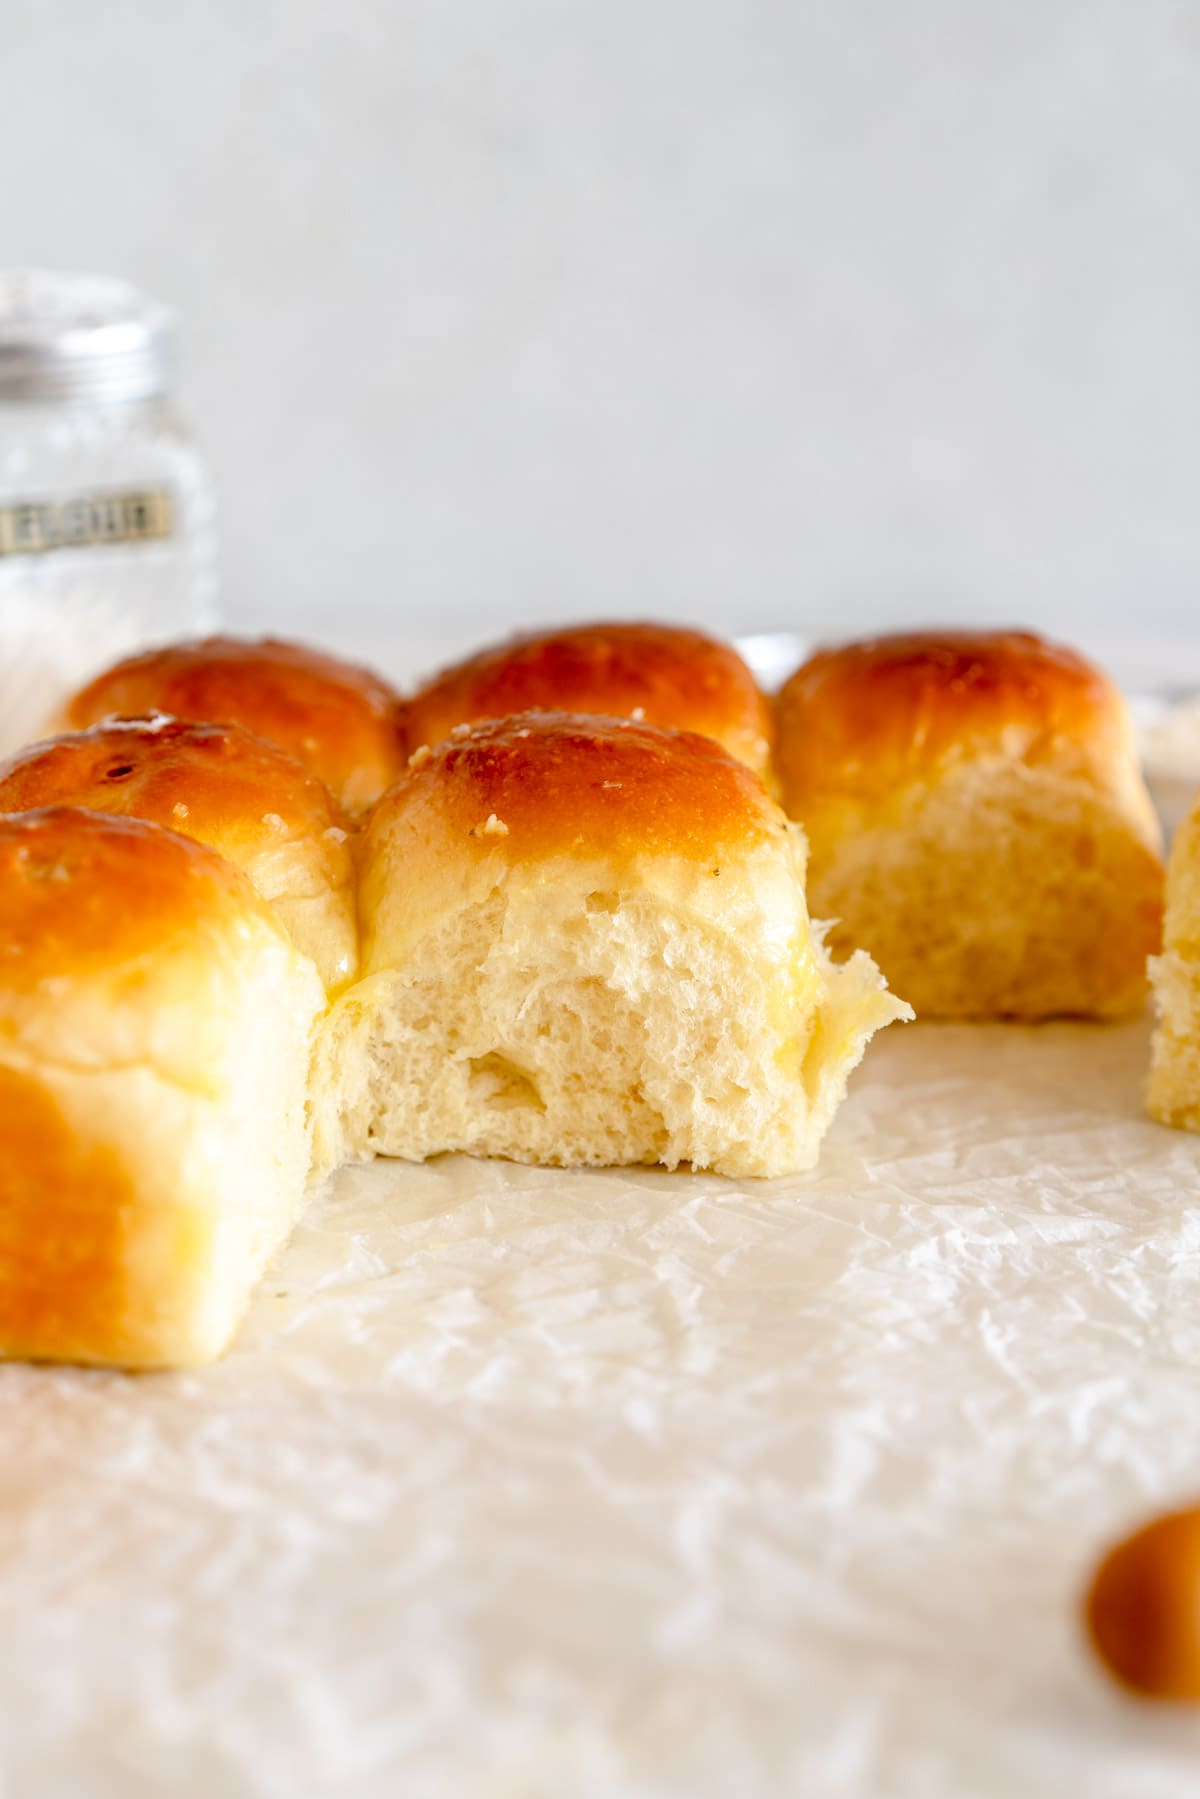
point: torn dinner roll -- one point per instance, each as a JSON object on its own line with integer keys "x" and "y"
{"x": 586, "y": 942}
{"x": 977, "y": 820}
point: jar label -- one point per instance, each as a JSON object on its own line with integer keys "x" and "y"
{"x": 33, "y": 527}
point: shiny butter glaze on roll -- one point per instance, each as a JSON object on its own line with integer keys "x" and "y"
{"x": 585, "y": 941}
{"x": 977, "y": 821}
{"x": 222, "y": 786}
{"x": 155, "y": 1034}
{"x": 662, "y": 674}
{"x": 342, "y": 722}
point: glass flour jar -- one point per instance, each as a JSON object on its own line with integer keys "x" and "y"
{"x": 107, "y": 530}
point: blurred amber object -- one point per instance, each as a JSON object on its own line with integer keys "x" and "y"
{"x": 1143, "y": 1609}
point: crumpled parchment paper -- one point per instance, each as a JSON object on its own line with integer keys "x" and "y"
{"x": 568, "y": 1485}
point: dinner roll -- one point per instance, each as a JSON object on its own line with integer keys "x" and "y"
{"x": 586, "y": 941}
{"x": 660, "y": 673}
{"x": 977, "y": 821}
{"x": 222, "y": 786}
{"x": 155, "y": 1026}
{"x": 342, "y": 722}
{"x": 1173, "y": 1094}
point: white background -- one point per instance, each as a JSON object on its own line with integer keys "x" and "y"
{"x": 816, "y": 314}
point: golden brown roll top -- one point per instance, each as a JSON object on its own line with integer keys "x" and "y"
{"x": 977, "y": 820}
{"x": 342, "y": 722}
{"x": 222, "y": 786}
{"x": 559, "y": 781}
{"x": 661, "y": 674}
{"x": 85, "y": 901}
{"x": 155, "y": 1028}
{"x": 865, "y": 716}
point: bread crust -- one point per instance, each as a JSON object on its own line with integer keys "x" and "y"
{"x": 155, "y": 1033}
{"x": 863, "y": 716}
{"x": 665, "y": 674}
{"x": 222, "y": 786}
{"x": 544, "y": 783}
{"x": 341, "y": 721}
{"x": 85, "y": 897}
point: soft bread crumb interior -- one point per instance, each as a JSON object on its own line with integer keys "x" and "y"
{"x": 1173, "y": 1088}
{"x": 995, "y": 891}
{"x": 568, "y": 1022}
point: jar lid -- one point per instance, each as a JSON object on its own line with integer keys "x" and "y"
{"x": 81, "y": 337}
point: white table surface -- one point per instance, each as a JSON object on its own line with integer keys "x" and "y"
{"x": 635, "y": 1485}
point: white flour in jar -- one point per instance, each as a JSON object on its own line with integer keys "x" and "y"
{"x": 107, "y": 532}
